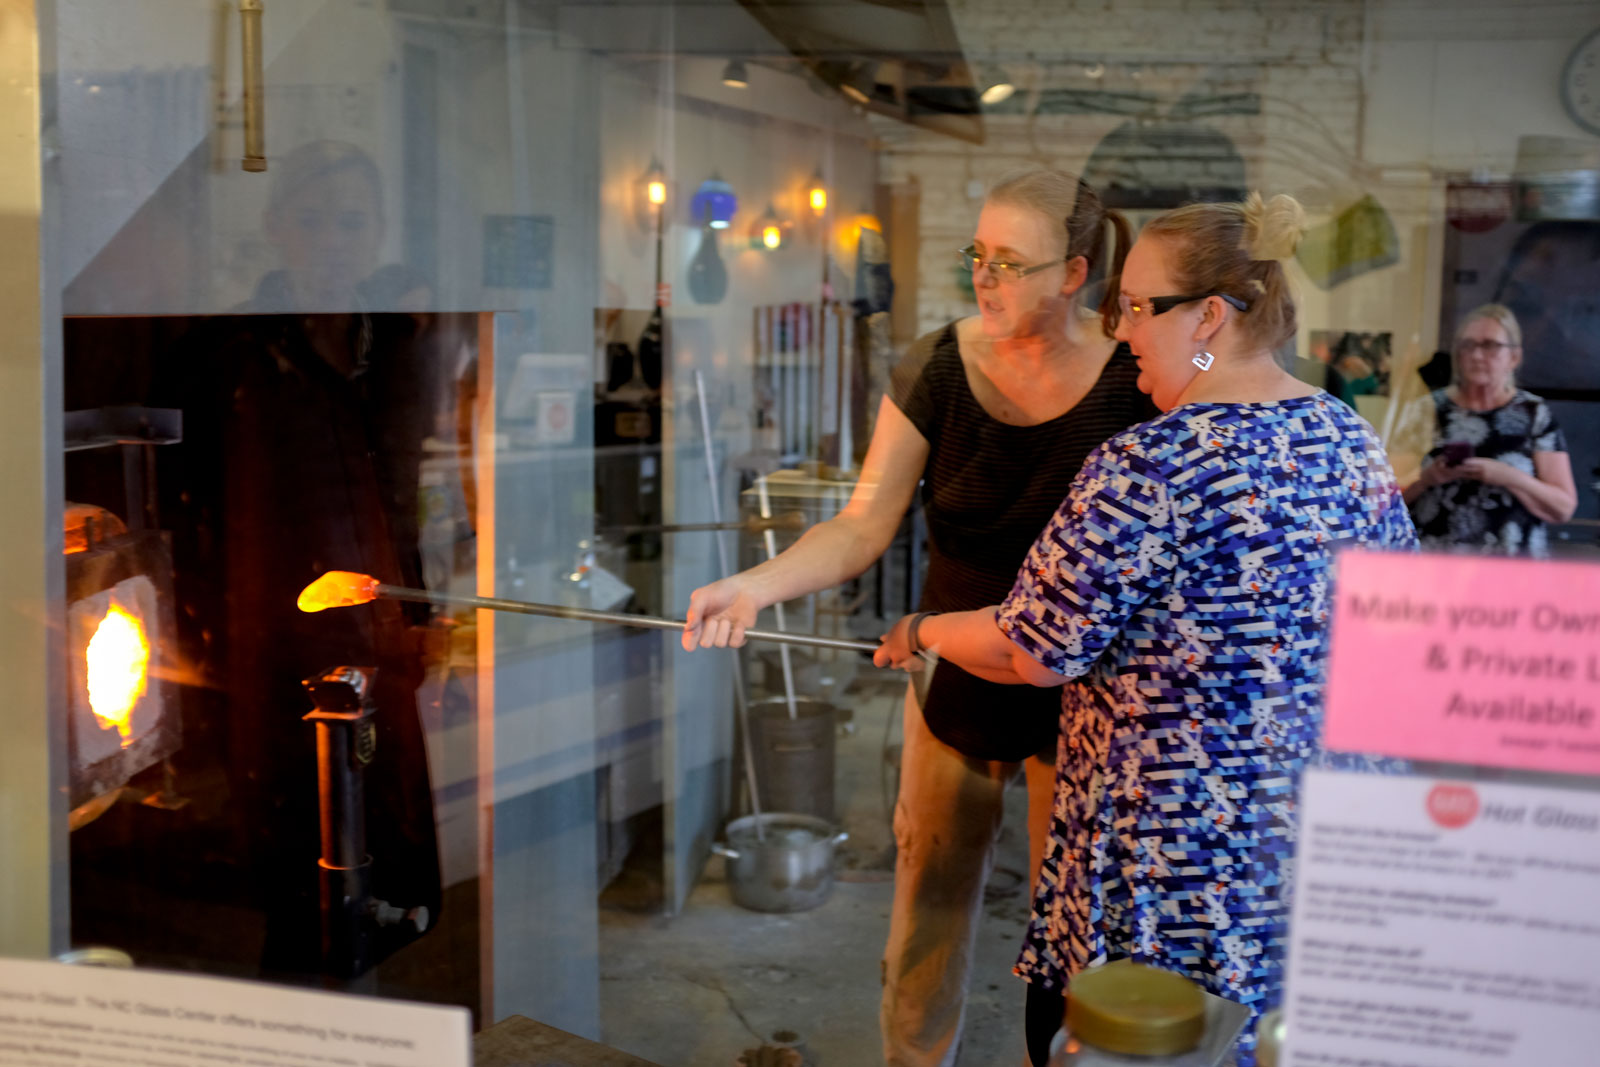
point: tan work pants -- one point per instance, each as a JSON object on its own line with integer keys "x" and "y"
{"x": 946, "y": 822}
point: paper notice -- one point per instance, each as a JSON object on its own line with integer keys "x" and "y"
{"x": 1466, "y": 659}
{"x": 1441, "y": 924}
{"x": 52, "y": 1015}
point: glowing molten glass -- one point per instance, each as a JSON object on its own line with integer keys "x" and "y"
{"x": 119, "y": 661}
{"x": 338, "y": 589}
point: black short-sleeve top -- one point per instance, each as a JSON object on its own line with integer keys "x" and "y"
{"x": 988, "y": 489}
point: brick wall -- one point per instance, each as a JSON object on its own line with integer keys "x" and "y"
{"x": 1289, "y": 73}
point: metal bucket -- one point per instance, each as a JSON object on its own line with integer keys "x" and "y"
{"x": 805, "y": 667}
{"x": 791, "y": 869}
{"x": 794, "y": 757}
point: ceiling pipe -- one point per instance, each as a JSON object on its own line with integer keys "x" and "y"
{"x": 255, "y": 139}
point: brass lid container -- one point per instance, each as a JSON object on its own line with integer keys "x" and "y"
{"x": 1136, "y": 1010}
{"x": 1269, "y": 1039}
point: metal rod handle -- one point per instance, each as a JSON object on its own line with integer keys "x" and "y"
{"x": 650, "y": 622}
{"x": 789, "y": 520}
{"x": 741, "y": 700}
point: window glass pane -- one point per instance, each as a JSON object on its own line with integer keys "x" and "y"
{"x": 587, "y": 305}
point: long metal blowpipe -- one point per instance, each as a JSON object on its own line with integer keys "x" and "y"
{"x": 343, "y": 589}
{"x": 789, "y": 520}
{"x": 741, "y": 702}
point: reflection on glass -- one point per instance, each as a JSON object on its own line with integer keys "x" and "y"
{"x": 450, "y": 338}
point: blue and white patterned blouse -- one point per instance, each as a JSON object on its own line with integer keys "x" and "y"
{"x": 1184, "y": 586}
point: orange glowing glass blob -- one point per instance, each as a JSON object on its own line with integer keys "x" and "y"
{"x": 338, "y": 589}
{"x": 118, "y": 670}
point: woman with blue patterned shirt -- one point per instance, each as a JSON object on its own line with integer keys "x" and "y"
{"x": 1180, "y": 598}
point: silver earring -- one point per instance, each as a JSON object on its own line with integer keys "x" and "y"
{"x": 1203, "y": 360}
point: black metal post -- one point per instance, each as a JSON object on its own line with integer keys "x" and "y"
{"x": 345, "y": 744}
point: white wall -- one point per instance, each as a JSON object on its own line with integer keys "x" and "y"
{"x": 1462, "y": 105}
{"x": 1382, "y": 97}
{"x": 1451, "y": 88}
{"x": 1453, "y": 85}
{"x": 163, "y": 221}
{"x": 1303, "y": 61}
{"x": 125, "y": 126}
{"x": 766, "y": 141}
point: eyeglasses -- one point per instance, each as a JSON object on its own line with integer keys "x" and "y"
{"x": 1006, "y": 272}
{"x": 1488, "y": 348}
{"x": 1137, "y": 310}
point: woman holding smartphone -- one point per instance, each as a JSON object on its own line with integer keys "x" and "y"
{"x": 1499, "y": 468}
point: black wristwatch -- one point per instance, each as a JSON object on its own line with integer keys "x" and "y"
{"x": 912, "y": 637}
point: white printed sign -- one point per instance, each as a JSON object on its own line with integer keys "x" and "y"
{"x": 555, "y": 417}
{"x": 52, "y": 1015}
{"x": 1444, "y": 924}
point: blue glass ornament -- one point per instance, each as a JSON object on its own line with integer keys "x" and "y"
{"x": 714, "y": 202}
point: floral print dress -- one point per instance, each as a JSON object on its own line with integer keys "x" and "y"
{"x": 1469, "y": 515}
{"x": 1183, "y": 586}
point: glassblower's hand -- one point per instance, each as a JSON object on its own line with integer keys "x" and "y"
{"x": 719, "y": 614}
{"x": 896, "y": 649}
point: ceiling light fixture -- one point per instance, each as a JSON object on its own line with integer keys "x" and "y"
{"x": 734, "y": 75}
{"x": 860, "y": 83}
{"x": 997, "y": 86}
{"x": 997, "y": 93}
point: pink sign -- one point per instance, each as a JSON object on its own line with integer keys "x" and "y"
{"x": 1466, "y": 659}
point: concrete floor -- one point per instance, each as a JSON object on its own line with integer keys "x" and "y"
{"x": 701, "y": 987}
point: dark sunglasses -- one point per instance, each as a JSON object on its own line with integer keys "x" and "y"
{"x": 1149, "y": 307}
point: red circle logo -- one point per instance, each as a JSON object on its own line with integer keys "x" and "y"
{"x": 1453, "y": 806}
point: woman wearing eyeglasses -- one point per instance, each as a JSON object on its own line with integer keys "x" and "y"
{"x": 992, "y": 415}
{"x": 1179, "y": 598}
{"x": 1499, "y": 468}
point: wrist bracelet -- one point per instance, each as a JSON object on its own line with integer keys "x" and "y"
{"x": 912, "y": 631}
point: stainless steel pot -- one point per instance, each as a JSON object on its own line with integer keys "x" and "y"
{"x": 791, "y": 869}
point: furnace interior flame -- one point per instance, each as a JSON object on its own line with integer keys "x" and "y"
{"x": 119, "y": 661}
{"x": 338, "y": 589}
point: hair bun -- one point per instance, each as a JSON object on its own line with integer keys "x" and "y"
{"x": 1273, "y": 228}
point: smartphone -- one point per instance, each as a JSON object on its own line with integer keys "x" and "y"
{"x": 1455, "y": 452}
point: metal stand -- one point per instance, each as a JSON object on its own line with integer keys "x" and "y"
{"x": 346, "y": 745}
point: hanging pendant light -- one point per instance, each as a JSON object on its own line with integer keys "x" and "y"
{"x": 817, "y": 195}
{"x": 655, "y": 185}
{"x": 769, "y": 232}
{"x": 650, "y": 195}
